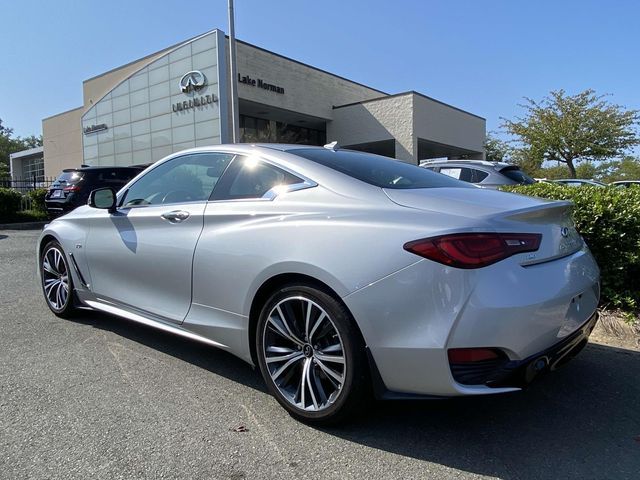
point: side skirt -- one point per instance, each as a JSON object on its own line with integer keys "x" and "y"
{"x": 112, "y": 309}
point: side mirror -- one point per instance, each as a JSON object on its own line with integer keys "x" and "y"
{"x": 103, "y": 198}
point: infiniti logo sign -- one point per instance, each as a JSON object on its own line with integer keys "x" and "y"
{"x": 192, "y": 81}
{"x": 564, "y": 231}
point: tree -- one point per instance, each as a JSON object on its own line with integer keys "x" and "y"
{"x": 626, "y": 169}
{"x": 574, "y": 128}
{"x": 10, "y": 144}
{"x": 495, "y": 150}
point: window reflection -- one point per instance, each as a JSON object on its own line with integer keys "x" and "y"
{"x": 257, "y": 130}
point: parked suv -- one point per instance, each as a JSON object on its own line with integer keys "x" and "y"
{"x": 482, "y": 173}
{"x": 73, "y": 186}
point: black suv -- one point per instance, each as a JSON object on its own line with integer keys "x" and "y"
{"x": 73, "y": 186}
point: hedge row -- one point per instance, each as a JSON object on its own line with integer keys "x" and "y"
{"x": 11, "y": 202}
{"x": 37, "y": 199}
{"x": 609, "y": 221}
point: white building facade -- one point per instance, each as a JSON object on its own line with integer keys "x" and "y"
{"x": 179, "y": 98}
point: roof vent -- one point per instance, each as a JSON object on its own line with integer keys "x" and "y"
{"x": 332, "y": 146}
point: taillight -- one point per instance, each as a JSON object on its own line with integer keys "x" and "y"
{"x": 474, "y": 250}
{"x": 71, "y": 188}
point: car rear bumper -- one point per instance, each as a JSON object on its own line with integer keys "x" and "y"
{"x": 520, "y": 373}
{"x": 59, "y": 207}
{"x": 410, "y": 320}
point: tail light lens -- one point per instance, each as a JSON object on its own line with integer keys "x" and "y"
{"x": 474, "y": 250}
{"x": 71, "y": 188}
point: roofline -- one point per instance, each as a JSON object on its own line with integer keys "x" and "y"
{"x": 410, "y": 92}
{"x": 148, "y": 56}
{"x": 238, "y": 41}
{"x": 310, "y": 66}
{"x": 26, "y": 153}
{"x": 63, "y": 113}
{"x": 447, "y": 105}
{"x": 467, "y": 160}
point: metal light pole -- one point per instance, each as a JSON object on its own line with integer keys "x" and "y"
{"x": 235, "y": 120}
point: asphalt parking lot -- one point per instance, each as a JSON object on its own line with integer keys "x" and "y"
{"x": 100, "y": 397}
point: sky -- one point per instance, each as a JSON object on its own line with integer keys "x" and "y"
{"x": 481, "y": 56}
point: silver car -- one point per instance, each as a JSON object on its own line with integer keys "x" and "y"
{"x": 480, "y": 172}
{"x": 338, "y": 273}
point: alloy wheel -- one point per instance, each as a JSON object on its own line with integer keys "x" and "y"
{"x": 55, "y": 278}
{"x": 304, "y": 354}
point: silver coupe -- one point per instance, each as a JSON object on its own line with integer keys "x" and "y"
{"x": 340, "y": 274}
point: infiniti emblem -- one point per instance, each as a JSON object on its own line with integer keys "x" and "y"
{"x": 564, "y": 231}
{"x": 307, "y": 350}
{"x": 192, "y": 81}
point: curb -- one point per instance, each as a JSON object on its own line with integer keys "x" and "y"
{"x": 23, "y": 226}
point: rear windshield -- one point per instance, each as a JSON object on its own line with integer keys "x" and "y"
{"x": 69, "y": 178}
{"x": 376, "y": 170}
{"x": 517, "y": 175}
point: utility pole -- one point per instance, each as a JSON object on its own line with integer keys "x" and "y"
{"x": 235, "y": 119}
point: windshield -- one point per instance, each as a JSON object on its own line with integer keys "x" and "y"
{"x": 376, "y": 170}
{"x": 69, "y": 178}
{"x": 517, "y": 175}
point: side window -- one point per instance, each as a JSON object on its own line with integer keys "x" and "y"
{"x": 451, "y": 172}
{"x": 466, "y": 174}
{"x": 477, "y": 175}
{"x": 114, "y": 178}
{"x": 250, "y": 178}
{"x": 189, "y": 178}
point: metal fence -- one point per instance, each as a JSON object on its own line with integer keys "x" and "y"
{"x": 26, "y": 203}
{"x": 26, "y": 184}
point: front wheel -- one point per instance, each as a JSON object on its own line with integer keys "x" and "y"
{"x": 311, "y": 355}
{"x": 57, "y": 284}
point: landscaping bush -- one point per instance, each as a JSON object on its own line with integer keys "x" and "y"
{"x": 9, "y": 204}
{"x": 609, "y": 221}
{"x": 37, "y": 199}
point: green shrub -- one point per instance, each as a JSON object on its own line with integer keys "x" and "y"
{"x": 609, "y": 221}
{"x": 9, "y": 204}
{"x": 29, "y": 216}
{"x": 37, "y": 199}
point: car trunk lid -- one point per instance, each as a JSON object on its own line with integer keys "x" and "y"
{"x": 501, "y": 212}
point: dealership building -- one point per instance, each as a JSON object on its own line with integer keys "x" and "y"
{"x": 180, "y": 98}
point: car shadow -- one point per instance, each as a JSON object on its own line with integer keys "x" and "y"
{"x": 581, "y": 421}
{"x": 199, "y": 354}
{"x": 2, "y": 237}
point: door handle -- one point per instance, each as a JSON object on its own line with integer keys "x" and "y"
{"x": 176, "y": 216}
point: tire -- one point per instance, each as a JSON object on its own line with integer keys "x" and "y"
{"x": 314, "y": 362}
{"x": 57, "y": 283}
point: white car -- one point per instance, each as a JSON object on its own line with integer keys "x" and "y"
{"x": 336, "y": 272}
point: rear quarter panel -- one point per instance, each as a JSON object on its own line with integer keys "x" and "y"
{"x": 243, "y": 244}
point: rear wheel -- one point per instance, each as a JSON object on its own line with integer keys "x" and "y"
{"x": 57, "y": 284}
{"x": 311, "y": 355}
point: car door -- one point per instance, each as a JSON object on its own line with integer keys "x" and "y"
{"x": 226, "y": 262}
{"x": 141, "y": 256}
